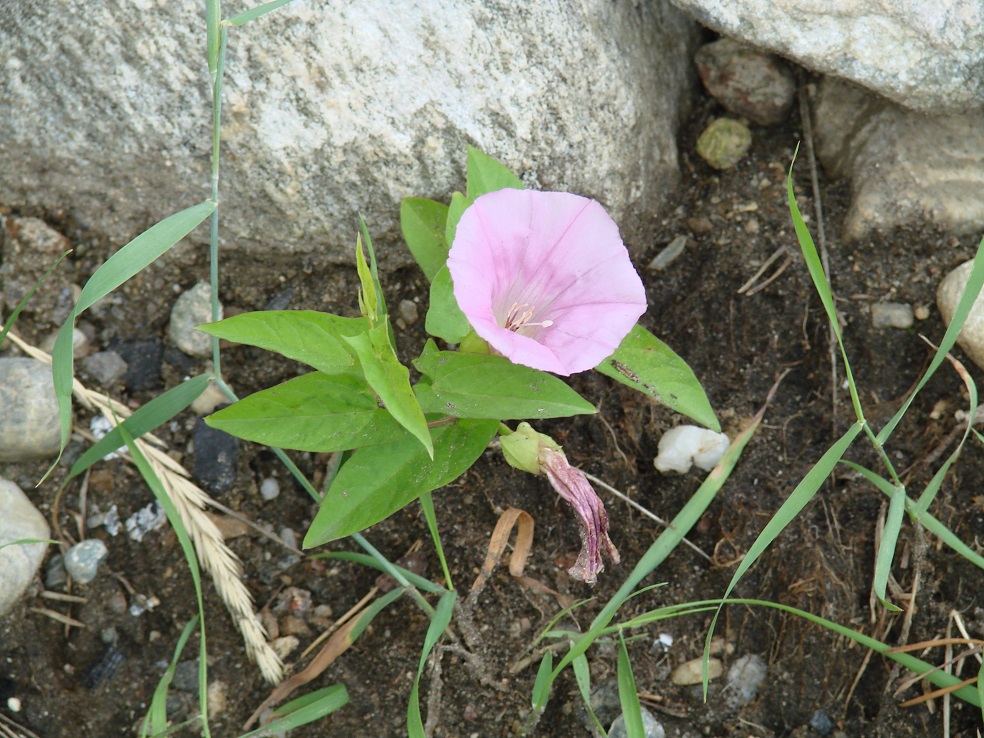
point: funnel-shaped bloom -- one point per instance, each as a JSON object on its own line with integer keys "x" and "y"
{"x": 571, "y": 484}
{"x": 545, "y": 279}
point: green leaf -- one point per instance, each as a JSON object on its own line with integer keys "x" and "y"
{"x": 645, "y": 363}
{"x": 379, "y": 480}
{"x": 156, "y": 412}
{"x": 484, "y": 386}
{"x": 382, "y": 310}
{"x": 542, "y": 683}
{"x": 117, "y": 269}
{"x": 303, "y": 710}
{"x": 627, "y": 693}
{"x": 423, "y": 223}
{"x": 313, "y": 338}
{"x": 444, "y": 318}
{"x": 313, "y": 412}
{"x": 391, "y": 381}
{"x": 368, "y": 300}
{"x": 439, "y": 621}
{"x": 248, "y": 15}
{"x": 459, "y": 204}
{"x": 886, "y": 549}
{"x": 485, "y": 174}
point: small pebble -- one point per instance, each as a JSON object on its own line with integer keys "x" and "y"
{"x": 746, "y": 81}
{"x": 948, "y": 294}
{"x": 407, "y": 310}
{"x": 55, "y": 576}
{"x": 216, "y": 459}
{"x": 143, "y": 363}
{"x": 229, "y": 527}
{"x": 145, "y": 520}
{"x": 20, "y": 562}
{"x": 892, "y": 315}
{"x": 745, "y": 677}
{"x": 921, "y": 312}
{"x": 217, "y": 698}
{"x": 821, "y": 722}
{"x": 208, "y": 400}
{"x": 30, "y": 427}
{"x": 80, "y": 343}
{"x": 669, "y": 254}
{"x": 269, "y": 488}
{"x": 724, "y": 143}
{"x": 687, "y": 445}
{"x": 651, "y": 727}
{"x": 106, "y": 367}
{"x": 192, "y": 309}
{"x": 700, "y": 226}
{"x": 83, "y": 559}
{"x": 284, "y": 646}
{"x": 289, "y": 537}
{"x": 691, "y": 672}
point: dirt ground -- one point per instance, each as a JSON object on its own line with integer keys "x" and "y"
{"x": 737, "y": 343}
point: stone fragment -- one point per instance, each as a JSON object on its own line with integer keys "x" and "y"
{"x": 691, "y": 671}
{"x": 216, "y": 458}
{"x": 651, "y": 727}
{"x": 335, "y": 107}
{"x": 269, "y": 489}
{"x": 686, "y": 445}
{"x": 971, "y": 338}
{"x": 143, "y": 363}
{"x": 208, "y": 400}
{"x": 83, "y": 559}
{"x": 924, "y": 55}
{"x": 80, "y": 343}
{"x": 29, "y": 423}
{"x": 669, "y": 254}
{"x": 192, "y": 309}
{"x": 745, "y": 677}
{"x": 746, "y": 81}
{"x": 106, "y": 367}
{"x": 892, "y": 315}
{"x": 407, "y": 311}
{"x": 904, "y": 167}
{"x": 724, "y": 143}
{"x": 30, "y": 247}
{"x": 18, "y": 561}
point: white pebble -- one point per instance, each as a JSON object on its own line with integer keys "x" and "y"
{"x": 269, "y": 488}
{"x": 686, "y": 445}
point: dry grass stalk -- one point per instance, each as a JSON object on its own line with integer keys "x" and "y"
{"x": 190, "y": 501}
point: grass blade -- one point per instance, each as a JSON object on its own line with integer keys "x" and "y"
{"x": 156, "y": 720}
{"x": 248, "y": 15}
{"x": 886, "y": 549}
{"x": 304, "y": 710}
{"x": 440, "y": 620}
{"x": 427, "y": 505}
{"x": 627, "y": 693}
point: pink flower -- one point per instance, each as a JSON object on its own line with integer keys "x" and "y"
{"x": 573, "y": 486}
{"x": 544, "y": 278}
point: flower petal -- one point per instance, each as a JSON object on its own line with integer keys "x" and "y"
{"x": 571, "y": 484}
{"x": 557, "y": 262}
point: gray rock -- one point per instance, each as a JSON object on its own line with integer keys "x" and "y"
{"x": 971, "y": 338}
{"x": 18, "y": 562}
{"x": 336, "y": 107}
{"x": 924, "y": 55}
{"x": 669, "y": 254}
{"x": 745, "y": 678}
{"x": 904, "y": 167}
{"x": 724, "y": 143}
{"x": 407, "y": 310}
{"x": 192, "y": 309}
{"x": 892, "y": 315}
{"x": 216, "y": 461}
{"x": 269, "y": 489}
{"x": 80, "y": 343}
{"x": 746, "y": 81}
{"x": 29, "y": 424}
{"x": 83, "y": 559}
{"x": 651, "y": 727}
{"x": 106, "y": 367}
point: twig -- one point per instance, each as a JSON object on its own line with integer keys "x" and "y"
{"x": 652, "y": 516}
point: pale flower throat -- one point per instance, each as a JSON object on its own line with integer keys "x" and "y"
{"x": 518, "y": 317}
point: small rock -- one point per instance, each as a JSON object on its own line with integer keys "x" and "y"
{"x": 921, "y": 312}
{"x": 407, "y": 310}
{"x": 744, "y": 679}
{"x": 686, "y": 445}
{"x": 217, "y": 698}
{"x": 83, "y": 559}
{"x": 208, "y": 400}
{"x": 30, "y": 247}
{"x": 29, "y": 423}
{"x": 971, "y": 337}
{"x": 892, "y": 315}
{"x": 280, "y": 301}
{"x": 669, "y": 254}
{"x": 55, "y": 576}
{"x": 216, "y": 457}
{"x": 18, "y": 562}
{"x": 106, "y": 367}
{"x": 145, "y": 520}
{"x": 724, "y": 143}
{"x": 289, "y": 537}
{"x": 80, "y": 343}
{"x": 229, "y": 527}
{"x": 691, "y": 672}
{"x": 747, "y": 82}
{"x": 186, "y": 676}
{"x": 293, "y": 626}
{"x": 284, "y": 646}
{"x": 143, "y": 363}
{"x": 269, "y": 488}
{"x": 651, "y": 727}
{"x": 192, "y": 309}
{"x": 821, "y": 722}
{"x": 700, "y": 226}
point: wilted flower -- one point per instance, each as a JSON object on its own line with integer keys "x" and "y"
{"x": 545, "y": 279}
{"x": 536, "y": 452}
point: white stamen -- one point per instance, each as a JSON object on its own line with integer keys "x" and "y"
{"x": 518, "y": 318}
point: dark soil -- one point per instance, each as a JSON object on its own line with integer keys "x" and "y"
{"x": 738, "y": 345}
